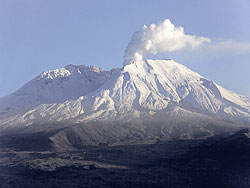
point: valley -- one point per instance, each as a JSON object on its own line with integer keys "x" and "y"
{"x": 183, "y": 163}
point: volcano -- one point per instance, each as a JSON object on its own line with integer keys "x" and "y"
{"x": 143, "y": 102}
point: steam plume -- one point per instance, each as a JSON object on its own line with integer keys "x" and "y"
{"x": 161, "y": 37}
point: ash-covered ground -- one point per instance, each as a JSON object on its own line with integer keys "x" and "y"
{"x": 217, "y": 162}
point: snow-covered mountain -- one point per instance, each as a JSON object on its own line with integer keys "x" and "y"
{"x": 152, "y": 98}
{"x": 55, "y": 86}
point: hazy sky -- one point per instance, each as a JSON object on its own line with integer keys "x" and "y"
{"x": 37, "y": 35}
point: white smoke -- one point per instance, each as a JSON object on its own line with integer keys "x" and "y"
{"x": 161, "y": 37}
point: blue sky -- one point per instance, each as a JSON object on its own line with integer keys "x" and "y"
{"x": 44, "y": 34}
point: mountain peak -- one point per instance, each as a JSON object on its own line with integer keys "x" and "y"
{"x": 52, "y": 74}
{"x": 70, "y": 70}
{"x": 158, "y": 66}
{"x": 81, "y": 68}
